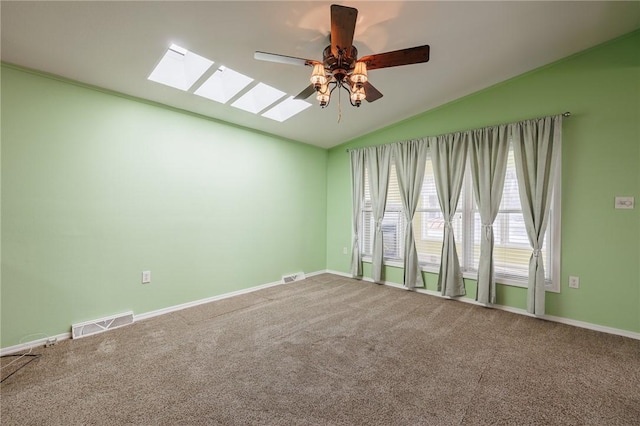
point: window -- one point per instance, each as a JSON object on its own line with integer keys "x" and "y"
{"x": 393, "y": 222}
{"x": 511, "y": 244}
{"x": 428, "y": 222}
{"x": 512, "y": 250}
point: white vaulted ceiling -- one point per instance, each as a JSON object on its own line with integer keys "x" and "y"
{"x": 116, "y": 45}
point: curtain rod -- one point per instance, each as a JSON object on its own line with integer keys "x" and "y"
{"x": 566, "y": 114}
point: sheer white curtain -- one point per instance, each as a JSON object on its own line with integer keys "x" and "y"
{"x": 410, "y": 157}
{"x": 357, "y": 195}
{"x": 378, "y": 160}
{"x": 449, "y": 154}
{"x": 536, "y": 147}
{"x": 488, "y": 150}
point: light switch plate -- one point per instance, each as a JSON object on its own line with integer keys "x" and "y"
{"x": 625, "y": 202}
{"x": 146, "y": 277}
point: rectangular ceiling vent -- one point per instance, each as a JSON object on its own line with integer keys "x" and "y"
{"x": 100, "y": 325}
{"x": 298, "y": 276}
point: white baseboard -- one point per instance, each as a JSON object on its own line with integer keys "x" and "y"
{"x": 568, "y": 321}
{"x": 174, "y": 308}
{"x": 342, "y": 274}
{"x": 313, "y": 274}
{"x": 591, "y": 326}
{"x": 28, "y": 346}
{"x": 182, "y": 306}
{"x": 64, "y": 336}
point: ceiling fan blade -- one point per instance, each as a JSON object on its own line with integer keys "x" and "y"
{"x": 308, "y": 91}
{"x": 372, "y": 93}
{"x": 282, "y": 59}
{"x": 343, "y": 26}
{"x": 413, "y": 55}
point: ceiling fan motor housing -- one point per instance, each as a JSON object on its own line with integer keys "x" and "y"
{"x": 341, "y": 65}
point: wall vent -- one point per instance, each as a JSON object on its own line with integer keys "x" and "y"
{"x": 100, "y": 325}
{"x": 298, "y": 276}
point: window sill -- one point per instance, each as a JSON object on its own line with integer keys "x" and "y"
{"x": 513, "y": 282}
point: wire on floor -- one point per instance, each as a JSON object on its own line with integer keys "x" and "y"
{"x": 22, "y": 355}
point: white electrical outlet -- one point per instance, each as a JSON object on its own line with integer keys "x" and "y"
{"x": 625, "y": 203}
{"x": 574, "y": 282}
{"x": 146, "y": 277}
{"x": 344, "y": 250}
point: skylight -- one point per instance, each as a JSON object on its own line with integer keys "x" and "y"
{"x": 258, "y": 98}
{"x": 286, "y": 109}
{"x": 223, "y": 85}
{"x": 180, "y": 68}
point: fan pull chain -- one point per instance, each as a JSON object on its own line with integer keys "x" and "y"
{"x": 339, "y": 105}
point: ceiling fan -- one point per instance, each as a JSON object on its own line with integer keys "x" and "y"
{"x": 341, "y": 68}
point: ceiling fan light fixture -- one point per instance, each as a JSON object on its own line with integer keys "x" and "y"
{"x": 359, "y": 74}
{"x": 318, "y": 76}
{"x": 341, "y": 68}
{"x": 358, "y": 95}
{"x": 323, "y": 96}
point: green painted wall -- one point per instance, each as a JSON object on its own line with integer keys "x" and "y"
{"x": 600, "y": 159}
{"x": 97, "y": 188}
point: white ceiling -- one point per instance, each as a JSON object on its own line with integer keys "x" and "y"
{"x": 116, "y": 45}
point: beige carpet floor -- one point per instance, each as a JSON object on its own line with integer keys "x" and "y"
{"x": 332, "y": 351}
